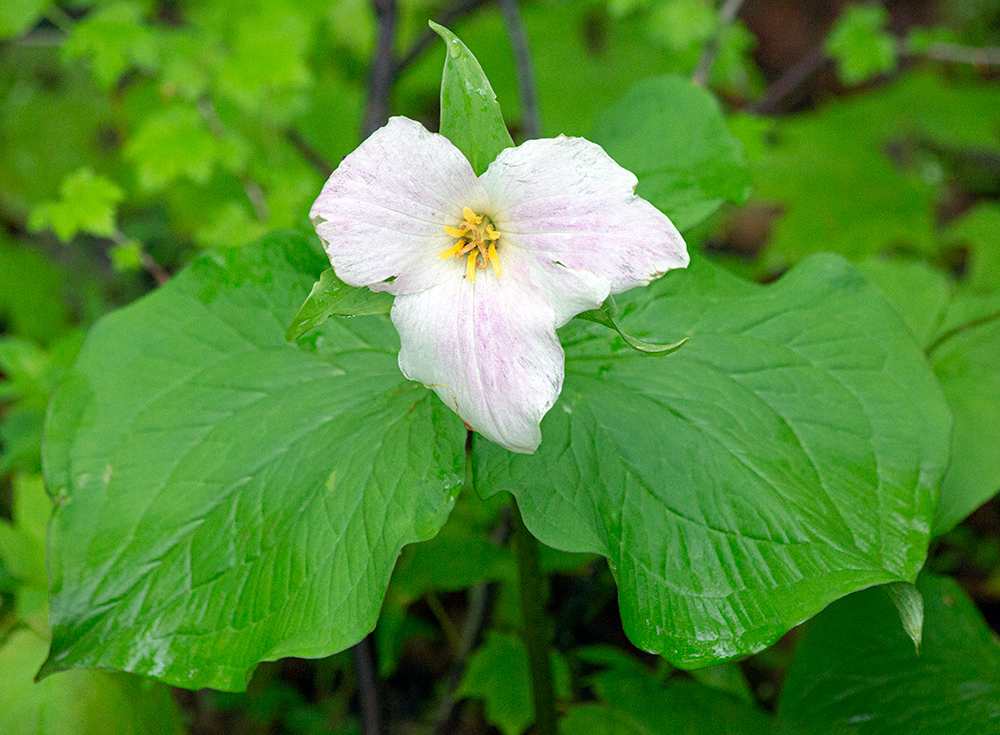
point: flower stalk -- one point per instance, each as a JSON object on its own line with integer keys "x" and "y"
{"x": 535, "y": 625}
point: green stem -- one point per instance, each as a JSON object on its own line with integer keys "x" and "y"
{"x": 535, "y": 630}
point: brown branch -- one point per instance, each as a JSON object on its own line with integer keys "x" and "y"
{"x": 313, "y": 157}
{"x": 531, "y": 125}
{"x": 727, "y": 14}
{"x": 364, "y": 662}
{"x": 382, "y": 70}
{"x": 791, "y": 82}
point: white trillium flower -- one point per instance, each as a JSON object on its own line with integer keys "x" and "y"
{"x": 485, "y": 269}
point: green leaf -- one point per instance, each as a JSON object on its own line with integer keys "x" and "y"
{"x": 787, "y": 456}
{"x": 497, "y": 672}
{"x": 87, "y": 203}
{"x": 965, "y": 355}
{"x": 18, "y": 16}
{"x": 31, "y": 299}
{"x": 470, "y": 114}
{"x": 910, "y": 606}
{"x": 671, "y": 134}
{"x": 860, "y": 45}
{"x": 855, "y": 669}
{"x": 635, "y": 703}
{"x": 332, "y": 297}
{"x": 979, "y": 230}
{"x": 225, "y": 497}
{"x": 608, "y": 316}
{"x": 77, "y": 702}
{"x": 960, "y": 332}
{"x": 114, "y": 38}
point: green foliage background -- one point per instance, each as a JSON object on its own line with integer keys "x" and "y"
{"x": 137, "y": 135}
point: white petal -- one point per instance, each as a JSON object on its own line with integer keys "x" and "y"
{"x": 568, "y": 291}
{"x": 568, "y": 201}
{"x": 488, "y": 349}
{"x": 382, "y": 213}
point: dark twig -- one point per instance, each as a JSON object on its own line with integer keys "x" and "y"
{"x": 480, "y": 600}
{"x": 727, "y": 14}
{"x": 382, "y": 70}
{"x": 425, "y": 39}
{"x": 789, "y": 83}
{"x": 959, "y": 329}
{"x": 313, "y": 157}
{"x": 955, "y": 53}
{"x": 535, "y": 628}
{"x": 367, "y": 689}
{"x": 531, "y": 126}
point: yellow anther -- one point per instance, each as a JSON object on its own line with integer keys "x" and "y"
{"x": 470, "y": 265}
{"x": 494, "y": 259}
{"x": 491, "y": 234}
{"x": 456, "y": 231}
{"x": 471, "y": 217}
{"x": 452, "y": 251}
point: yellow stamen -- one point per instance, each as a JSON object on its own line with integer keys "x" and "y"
{"x": 452, "y": 251}
{"x": 470, "y": 265}
{"x": 491, "y": 257}
{"x": 491, "y": 234}
{"x": 455, "y": 231}
{"x": 471, "y": 217}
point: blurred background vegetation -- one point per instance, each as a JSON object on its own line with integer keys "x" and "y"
{"x": 135, "y": 133}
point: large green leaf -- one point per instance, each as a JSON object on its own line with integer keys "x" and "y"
{"x": 77, "y": 702}
{"x": 789, "y": 454}
{"x": 855, "y": 670}
{"x": 225, "y": 497}
{"x": 470, "y": 114}
{"x": 960, "y": 331}
{"x": 671, "y": 134}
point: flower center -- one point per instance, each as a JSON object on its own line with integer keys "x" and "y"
{"x": 476, "y": 242}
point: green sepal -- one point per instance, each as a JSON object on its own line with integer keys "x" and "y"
{"x": 470, "y": 113}
{"x": 332, "y": 297}
{"x": 607, "y": 315}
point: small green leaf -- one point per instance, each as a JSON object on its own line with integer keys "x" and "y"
{"x": 127, "y": 256}
{"x": 87, "y": 203}
{"x": 77, "y": 702}
{"x": 860, "y": 45}
{"x": 17, "y": 16}
{"x": 608, "y": 316}
{"x": 497, "y": 672}
{"x": 634, "y": 702}
{"x": 910, "y": 606}
{"x": 332, "y": 297}
{"x": 114, "y": 38}
{"x": 855, "y": 670}
{"x": 470, "y": 114}
{"x": 672, "y": 135}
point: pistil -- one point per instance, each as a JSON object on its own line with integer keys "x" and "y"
{"x": 477, "y": 240}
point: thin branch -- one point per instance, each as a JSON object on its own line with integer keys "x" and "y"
{"x": 313, "y": 157}
{"x": 956, "y": 53}
{"x": 531, "y": 125}
{"x": 364, "y": 662}
{"x": 425, "y": 39}
{"x": 727, "y": 14}
{"x": 382, "y": 70}
{"x": 250, "y": 187}
{"x": 791, "y": 82}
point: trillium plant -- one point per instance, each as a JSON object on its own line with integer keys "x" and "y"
{"x": 484, "y": 270}
{"x": 280, "y": 450}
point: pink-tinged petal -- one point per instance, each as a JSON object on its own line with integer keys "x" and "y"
{"x": 382, "y": 213}
{"x": 568, "y": 291}
{"x": 568, "y": 201}
{"x": 488, "y": 349}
